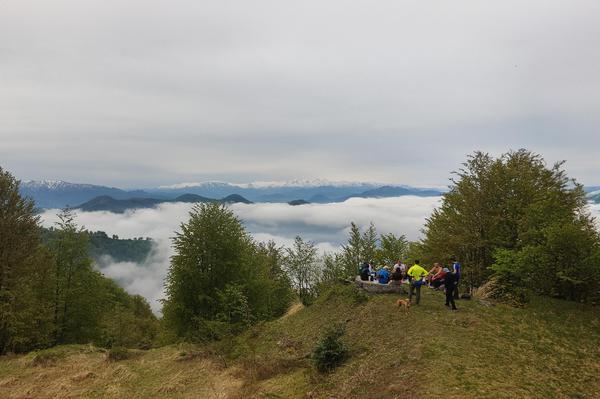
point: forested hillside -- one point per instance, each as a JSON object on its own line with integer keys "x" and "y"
{"x": 100, "y": 244}
{"x": 49, "y": 292}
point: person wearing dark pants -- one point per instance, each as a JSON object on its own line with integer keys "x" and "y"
{"x": 450, "y": 282}
{"x": 415, "y": 287}
{"x": 457, "y": 272}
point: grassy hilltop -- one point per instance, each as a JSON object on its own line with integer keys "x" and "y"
{"x": 548, "y": 349}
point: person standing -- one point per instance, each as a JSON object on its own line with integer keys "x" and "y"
{"x": 450, "y": 282}
{"x": 457, "y": 273}
{"x": 416, "y": 274}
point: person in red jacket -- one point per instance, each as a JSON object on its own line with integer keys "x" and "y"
{"x": 438, "y": 279}
{"x": 434, "y": 270}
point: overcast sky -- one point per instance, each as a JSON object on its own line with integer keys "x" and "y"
{"x": 139, "y": 93}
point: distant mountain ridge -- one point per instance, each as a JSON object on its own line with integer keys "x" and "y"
{"x": 315, "y": 191}
{"x": 109, "y": 204}
{"x": 58, "y": 194}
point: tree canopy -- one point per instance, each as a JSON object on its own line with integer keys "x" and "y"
{"x": 50, "y": 294}
{"x": 217, "y": 265}
{"x": 514, "y": 214}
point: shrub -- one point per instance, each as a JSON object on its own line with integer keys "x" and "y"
{"x": 501, "y": 288}
{"x": 330, "y": 352}
{"x": 47, "y": 357}
{"x": 118, "y": 353}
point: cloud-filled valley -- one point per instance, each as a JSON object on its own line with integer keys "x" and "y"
{"x": 325, "y": 224}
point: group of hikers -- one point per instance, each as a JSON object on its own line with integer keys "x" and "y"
{"x": 438, "y": 278}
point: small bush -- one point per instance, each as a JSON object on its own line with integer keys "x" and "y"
{"x": 330, "y": 352}
{"x": 118, "y": 353}
{"x": 47, "y": 357}
{"x": 502, "y": 289}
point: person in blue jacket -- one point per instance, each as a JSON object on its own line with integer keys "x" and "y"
{"x": 457, "y": 273}
{"x": 383, "y": 275}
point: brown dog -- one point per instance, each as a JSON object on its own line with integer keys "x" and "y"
{"x": 404, "y": 304}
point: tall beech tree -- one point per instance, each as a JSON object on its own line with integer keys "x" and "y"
{"x": 515, "y": 215}
{"x": 25, "y": 276}
{"x": 216, "y": 266}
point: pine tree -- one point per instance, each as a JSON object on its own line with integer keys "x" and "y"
{"x": 369, "y": 243}
{"x": 391, "y": 248}
{"x": 352, "y": 252}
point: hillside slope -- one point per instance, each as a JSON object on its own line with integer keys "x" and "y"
{"x": 549, "y": 349}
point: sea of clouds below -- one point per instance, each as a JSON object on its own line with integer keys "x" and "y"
{"x": 325, "y": 224}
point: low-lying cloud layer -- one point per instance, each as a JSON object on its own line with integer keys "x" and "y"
{"x": 325, "y": 224}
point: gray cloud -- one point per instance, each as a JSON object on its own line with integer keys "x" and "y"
{"x": 325, "y": 224}
{"x": 395, "y": 91}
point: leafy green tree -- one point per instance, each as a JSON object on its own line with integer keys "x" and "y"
{"x": 269, "y": 288}
{"x": 233, "y": 306}
{"x": 391, "y": 248}
{"x": 127, "y": 320}
{"x": 210, "y": 252}
{"x": 517, "y": 203}
{"x": 416, "y": 251}
{"x": 32, "y": 310}
{"x": 215, "y": 259}
{"x": 361, "y": 247}
{"x": 77, "y": 293}
{"x": 301, "y": 264}
{"x": 367, "y": 247}
{"x": 25, "y": 317}
{"x": 333, "y": 268}
{"x": 51, "y": 294}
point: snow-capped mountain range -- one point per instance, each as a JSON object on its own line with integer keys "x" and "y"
{"x": 56, "y": 193}
{"x": 275, "y": 184}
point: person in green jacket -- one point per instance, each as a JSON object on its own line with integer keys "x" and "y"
{"x": 416, "y": 275}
